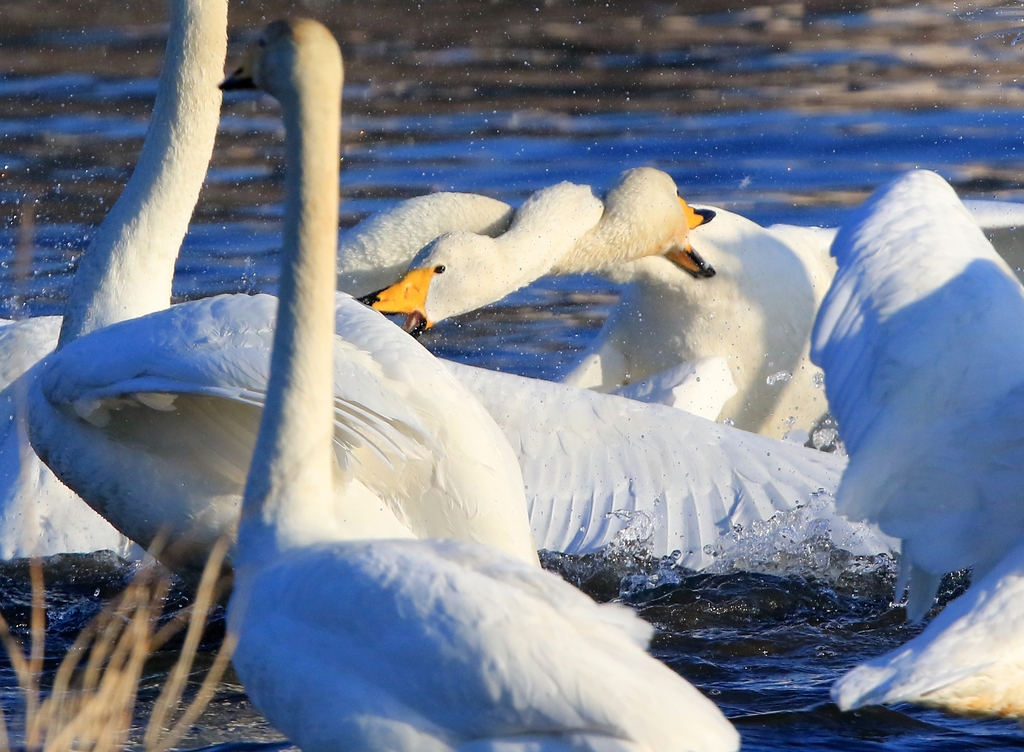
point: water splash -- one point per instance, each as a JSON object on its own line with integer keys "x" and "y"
{"x": 796, "y": 542}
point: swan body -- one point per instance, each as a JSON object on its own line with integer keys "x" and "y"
{"x": 756, "y": 312}
{"x": 351, "y": 638}
{"x": 158, "y": 434}
{"x": 925, "y": 376}
{"x": 444, "y": 645}
{"x": 126, "y": 271}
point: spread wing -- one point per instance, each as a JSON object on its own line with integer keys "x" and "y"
{"x": 920, "y": 340}
{"x": 595, "y": 464}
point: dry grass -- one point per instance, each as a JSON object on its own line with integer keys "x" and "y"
{"x": 91, "y": 703}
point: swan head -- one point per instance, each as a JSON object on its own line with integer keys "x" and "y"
{"x": 283, "y": 48}
{"x": 451, "y": 275}
{"x": 645, "y": 209}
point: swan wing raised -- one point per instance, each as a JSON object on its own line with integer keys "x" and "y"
{"x": 924, "y": 363}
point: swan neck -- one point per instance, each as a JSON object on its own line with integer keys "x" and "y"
{"x": 129, "y": 265}
{"x": 289, "y": 488}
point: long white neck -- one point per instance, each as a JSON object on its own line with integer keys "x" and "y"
{"x": 129, "y": 266}
{"x": 289, "y": 489}
{"x": 548, "y": 225}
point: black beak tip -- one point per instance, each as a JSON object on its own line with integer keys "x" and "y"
{"x": 705, "y": 214}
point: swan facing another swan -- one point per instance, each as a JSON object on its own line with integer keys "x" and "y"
{"x": 923, "y": 354}
{"x": 350, "y": 639}
{"x": 559, "y": 230}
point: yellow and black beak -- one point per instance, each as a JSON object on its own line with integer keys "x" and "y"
{"x": 688, "y": 259}
{"x": 240, "y": 79}
{"x": 409, "y": 296}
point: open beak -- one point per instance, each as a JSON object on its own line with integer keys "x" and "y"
{"x": 691, "y": 262}
{"x": 686, "y": 258}
{"x": 408, "y": 296}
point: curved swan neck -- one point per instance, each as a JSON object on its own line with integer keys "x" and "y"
{"x": 129, "y": 266}
{"x": 291, "y": 475}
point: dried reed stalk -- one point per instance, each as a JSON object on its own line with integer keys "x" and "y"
{"x": 91, "y": 708}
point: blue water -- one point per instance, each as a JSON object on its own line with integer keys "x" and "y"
{"x": 746, "y": 126}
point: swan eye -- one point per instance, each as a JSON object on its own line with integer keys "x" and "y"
{"x": 262, "y": 42}
{"x": 439, "y": 269}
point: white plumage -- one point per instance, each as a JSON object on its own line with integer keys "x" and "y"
{"x": 925, "y": 373}
{"x": 969, "y": 660}
{"x": 157, "y": 434}
{"x": 593, "y": 462}
{"x": 756, "y": 312}
{"x": 589, "y": 460}
{"x": 924, "y": 364}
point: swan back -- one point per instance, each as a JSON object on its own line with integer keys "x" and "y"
{"x": 926, "y": 378}
{"x": 129, "y": 266}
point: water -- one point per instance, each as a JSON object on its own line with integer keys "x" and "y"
{"x": 786, "y": 113}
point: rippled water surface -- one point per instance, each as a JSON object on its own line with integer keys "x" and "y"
{"x": 787, "y": 112}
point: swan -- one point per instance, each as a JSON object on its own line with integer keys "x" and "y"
{"x": 126, "y": 271}
{"x": 747, "y": 295}
{"x": 350, "y": 634}
{"x": 924, "y": 369}
{"x": 756, "y": 312}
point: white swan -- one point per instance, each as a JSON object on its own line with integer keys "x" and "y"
{"x": 351, "y": 639}
{"x": 126, "y": 271}
{"x": 924, "y": 364}
{"x": 756, "y": 312}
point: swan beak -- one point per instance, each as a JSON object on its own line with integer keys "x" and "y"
{"x": 409, "y": 296}
{"x": 686, "y": 258}
{"x": 240, "y": 79}
{"x": 696, "y": 217}
{"x": 691, "y": 262}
